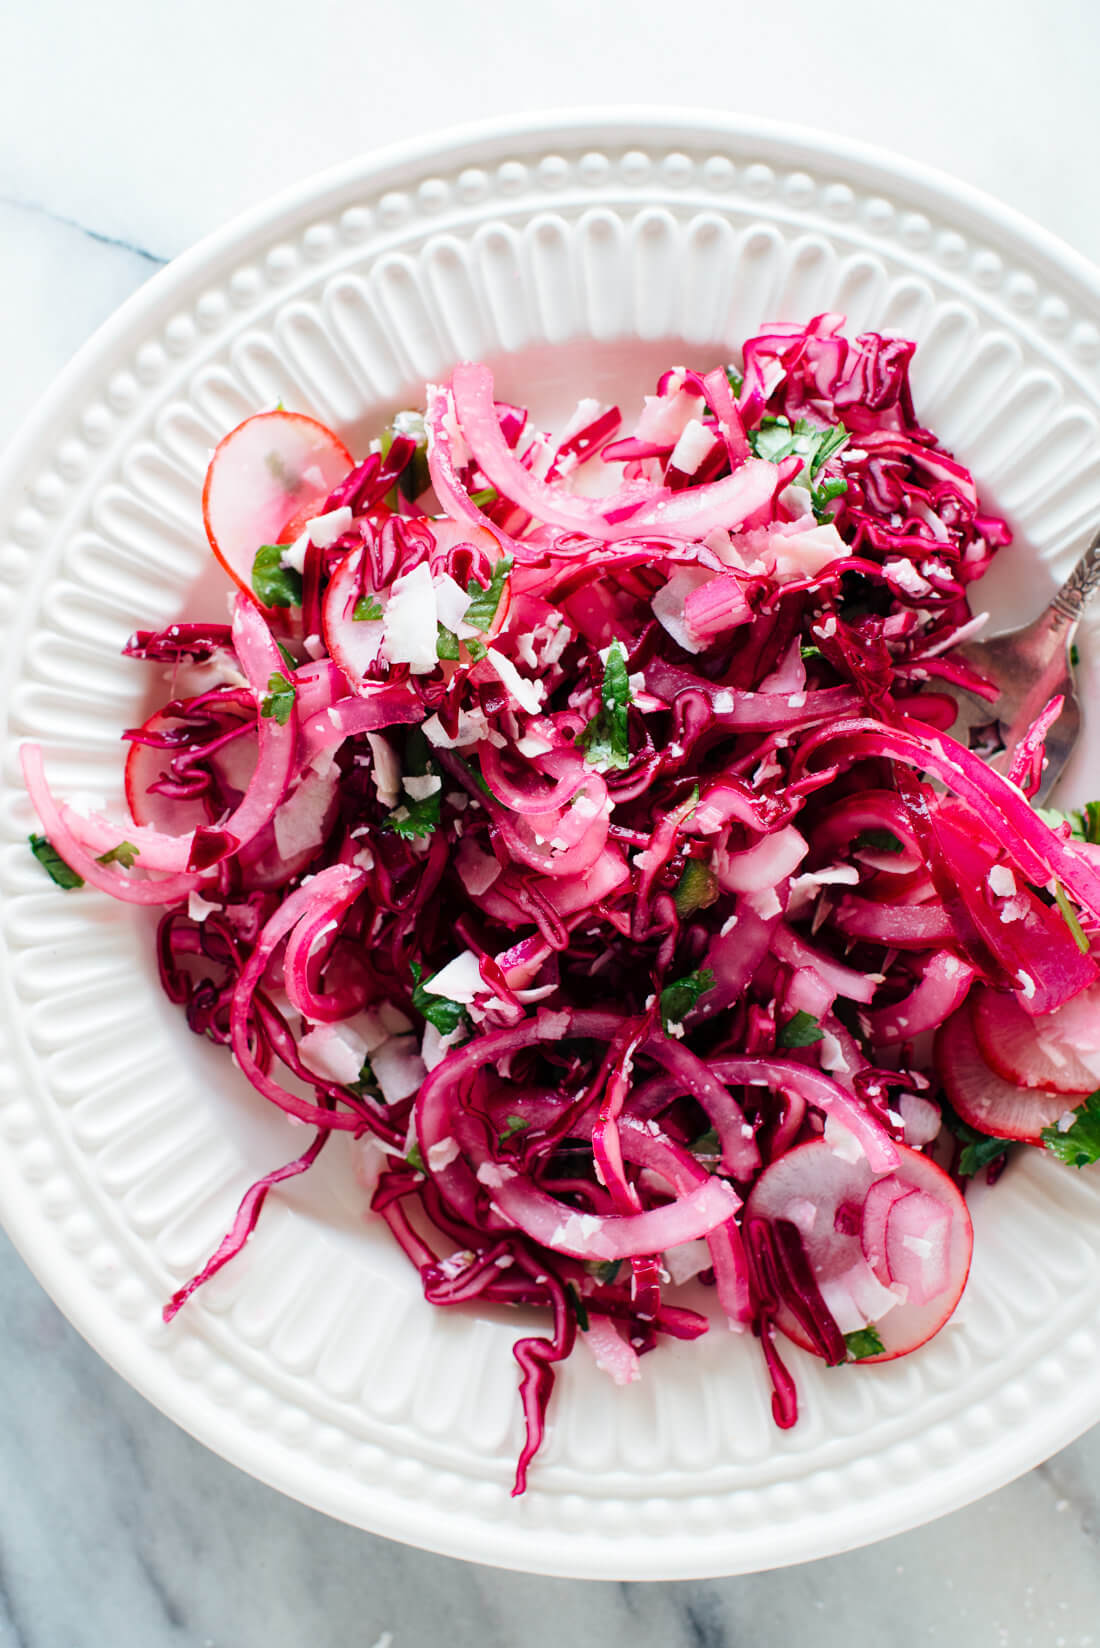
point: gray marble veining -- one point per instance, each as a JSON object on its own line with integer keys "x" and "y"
{"x": 116, "y": 1529}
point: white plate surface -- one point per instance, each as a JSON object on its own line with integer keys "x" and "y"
{"x": 578, "y": 255}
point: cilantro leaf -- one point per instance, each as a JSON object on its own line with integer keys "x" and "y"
{"x": 441, "y": 1011}
{"x": 735, "y": 379}
{"x": 580, "y": 1310}
{"x": 800, "y": 1031}
{"x": 274, "y": 584}
{"x": 484, "y": 600}
{"x": 815, "y": 444}
{"x": 809, "y": 652}
{"x": 513, "y": 1124}
{"x": 864, "y": 1342}
{"x": 486, "y": 496}
{"x": 979, "y": 1149}
{"x": 606, "y": 1271}
{"x": 287, "y": 656}
{"x": 54, "y": 865}
{"x": 415, "y": 1159}
{"x": 446, "y": 644}
{"x": 476, "y": 649}
{"x": 414, "y": 819}
{"x": 707, "y": 1144}
{"x": 1089, "y": 822}
{"x": 1079, "y": 1145}
{"x": 606, "y": 738}
{"x": 877, "y": 841}
{"x": 1070, "y": 917}
{"x": 280, "y": 700}
{"x": 414, "y": 479}
{"x": 678, "y": 998}
{"x": 125, "y": 854}
{"x": 696, "y": 889}
{"x": 367, "y": 610}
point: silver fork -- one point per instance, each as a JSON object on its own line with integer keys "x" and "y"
{"x": 1029, "y": 666}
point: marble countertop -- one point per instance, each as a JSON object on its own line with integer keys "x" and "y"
{"x": 126, "y": 133}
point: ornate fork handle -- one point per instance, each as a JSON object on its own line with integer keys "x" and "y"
{"x": 1078, "y": 588}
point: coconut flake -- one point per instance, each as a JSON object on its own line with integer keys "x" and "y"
{"x": 527, "y": 694}
{"x": 410, "y": 622}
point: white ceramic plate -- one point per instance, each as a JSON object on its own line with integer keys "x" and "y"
{"x": 579, "y": 256}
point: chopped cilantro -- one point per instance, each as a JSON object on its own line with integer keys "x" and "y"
{"x": 815, "y": 444}
{"x": 800, "y": 1031}
{"x": 877, "y": 841}
{"x": 1069, "y": 916}
{"x": 287, "y": 656}
{"x": 125, "y": 854}
{"x": 736, "y": 381}
{"x": 513, "y": 1124}
{"x": 606, "y": 1271}
{"x": 446, "y": 644}
{"x": 366, "y": 1082}
{"x": 1074, "y": 655}
{"x": 979, "y": 1149}
{"x": 487, "y": 495}
{"x": 274, "y": 584}
{"x": 485, "y": 600}
{"x": 809, "y": 652}
{"x": 415, "y": 1159}
{"x": 1079, "y": 1145}
{"x": 707, "y": 1144}
{"x": 414, "y": 819}
{"x": 696, "y": 889}
{"x": 580, "y": 1310}
{"x": 441, "y": 1011}
{"x": 606, "y": 738}
{"x": 864, "y": 1342}
{"x": 280, "y": 700}
{"x": 414, "y": 478}
{"x": 54, "y": 865}
{"x": 476, "y": 649}
{"x": 678, "y": 998}
{"x": 367, "y": 610}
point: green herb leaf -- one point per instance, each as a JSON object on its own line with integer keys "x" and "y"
{"x": 446, "y": 644}
{"x": 476, "y": 650}
{"x": 735, "y": 378}
{"x": 415, "y": 1159}
{"x": 1079, "y": 1145}
{"x": 484, "y": 600}
{"x": 513, "y": 1124}
{"x": 696, "y": 889}
{"x": 125, "y": 854}
{"x": 441, "y": 1011}
{"x": 1070, "y": 917}
{"x": 414, "y": 819}
{"x": 707, "y": 1144}
{"x": 580, "y": 1310}
{"x": 606, "y": 1271}
{"x": 877, "y": 841}
{"x": 275, "y": 585}
{"x": 367, "y": 610}
{"x": 979, "y": 1149}
{"x": 54, "y": 865}
{"x": 287, "y": 656}
{"x": 415, "y": 478}
{"x": 486, "y": 496}
{"x": 280, "y": 700}
{"x": 1074, "y": 654}
{"x": 367, "y": 1083}
{"x": 800, "y": 1031}
{"x": 815, "y": 444}
{"x": 678, "y": 998}
{"x": 809, "y": 652}
{"x": 864, "y": 1342}
{"x": 606, "y": 739}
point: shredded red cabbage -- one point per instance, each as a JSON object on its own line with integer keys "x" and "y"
{"x": 573, "y": 821}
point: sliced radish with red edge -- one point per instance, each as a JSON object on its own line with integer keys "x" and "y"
{"x": 982, "y": 1098}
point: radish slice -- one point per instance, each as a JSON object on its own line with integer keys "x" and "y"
{"x": 269, "y": 468}
{"x": 866, "y": 1230}
{"x": 984, "y": 1099}
{"x": 1030, "y": 1052}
